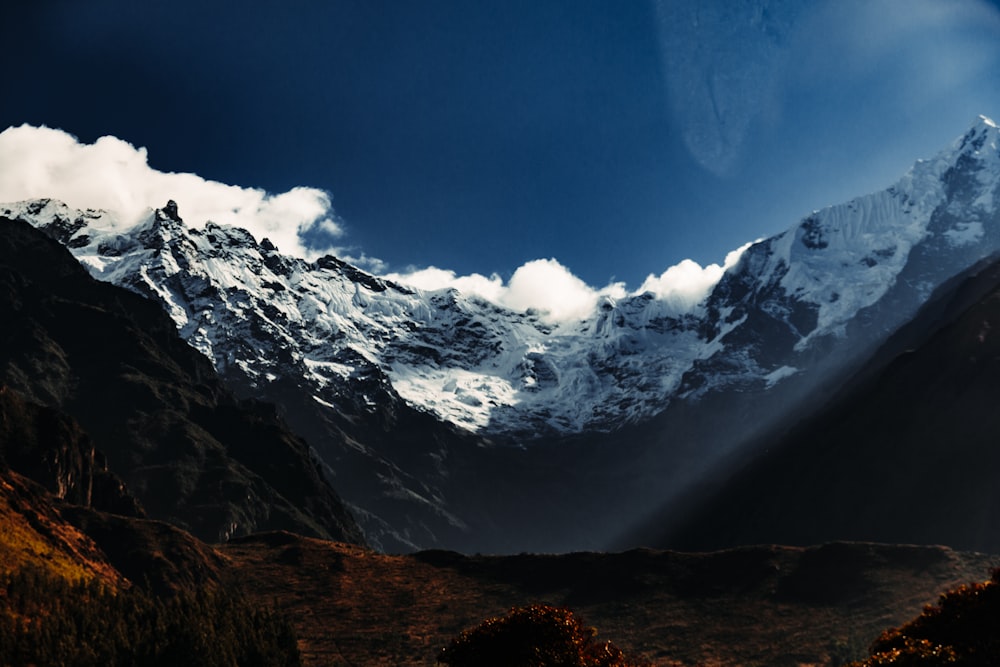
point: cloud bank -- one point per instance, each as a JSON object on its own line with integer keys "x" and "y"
{"x": 551, "y": 289}
{"x": 542, "y": 285}
{"x": 113, "y": 175}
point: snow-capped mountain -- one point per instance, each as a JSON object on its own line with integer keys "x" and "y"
{"x": 794, "y": 308}
{"x": 263, "y": 315}
{"x": 847, "y": 276}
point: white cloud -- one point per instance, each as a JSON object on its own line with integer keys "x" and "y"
{"x": 542, "y": 285}
{"x": 685, "y": 284}
{"x": 365, "y": 262}
{"x": 550, "y": 288}
{"x": 433, "y": 278}
{"x": 112, "y": 174}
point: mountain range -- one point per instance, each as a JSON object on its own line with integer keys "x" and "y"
{"x": 67, "y": 508}
{"x": 187, "y": 407}
{"x": 445, "y": 420}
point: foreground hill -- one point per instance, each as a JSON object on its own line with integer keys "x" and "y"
{"x": 33, "y": 532}
{"x": 62, "y": 512}
{"x": 84, "y": 588}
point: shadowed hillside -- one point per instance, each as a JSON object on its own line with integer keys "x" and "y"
{"x": 909, "y": 454}
{"x": 82, "y": 587}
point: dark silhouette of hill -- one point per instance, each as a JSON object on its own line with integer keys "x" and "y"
{"x": 150, "y": 409}
{"x": 119, "y": 590}
{"x": 906, "y": 453}
{"x": 50, "y": 448}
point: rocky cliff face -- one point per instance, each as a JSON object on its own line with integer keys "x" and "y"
{"x": 51, "y": 449}
{"x": 399, "y": 388}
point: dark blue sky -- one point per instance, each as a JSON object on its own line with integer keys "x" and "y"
{"x": 617, "y": 137}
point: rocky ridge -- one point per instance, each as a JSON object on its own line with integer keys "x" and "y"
{"x": 98, "y": 392}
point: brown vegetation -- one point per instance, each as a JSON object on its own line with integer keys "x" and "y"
{"x": 46, "y": 620}
{"x": 774, "y": 606}
{"x": 32, "y": 531}
{"x": 765, "y": 605}
{"x": 538, "y": 635}
{"x": 961, "y": 629}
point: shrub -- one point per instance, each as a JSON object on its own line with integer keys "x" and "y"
{"x": 962, "y": 629}
{"x": 533, "y": 636}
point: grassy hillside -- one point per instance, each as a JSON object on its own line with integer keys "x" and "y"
{"x": 32, "y": 532}
{"x": 65, "y": 599}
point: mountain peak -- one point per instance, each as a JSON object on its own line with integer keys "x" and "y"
{"x": 976, "y": 137}
{"x": 170, "y": 210}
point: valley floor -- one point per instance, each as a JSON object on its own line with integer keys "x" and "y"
{"x": 764, "y": 605}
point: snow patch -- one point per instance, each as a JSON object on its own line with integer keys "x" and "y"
{"x": 779, "y": 374}
{"x": 965, "y": 233}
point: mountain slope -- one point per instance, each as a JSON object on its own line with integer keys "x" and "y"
{"x": 190, "y": 452}
{"x": 64, "y": 513}
{"x": 907, "y": 454}
{"x": 33, "y": 533}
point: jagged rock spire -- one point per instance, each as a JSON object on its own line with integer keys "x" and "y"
{"x": 170, "y": 210}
